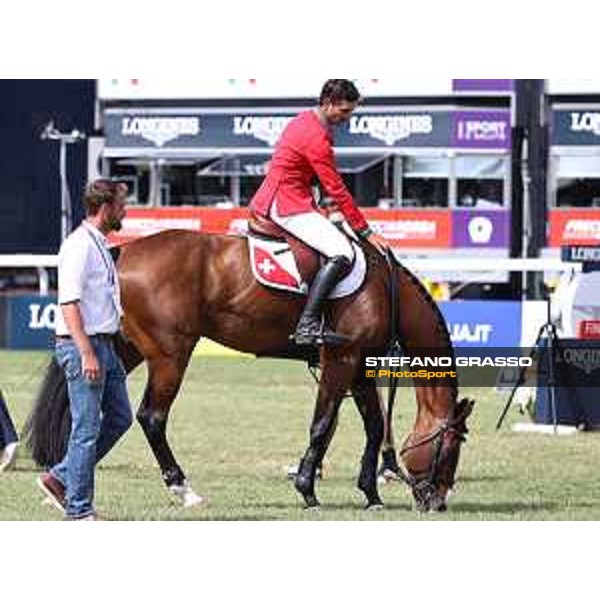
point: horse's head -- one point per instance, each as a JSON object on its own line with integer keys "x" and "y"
{"x": 431, "y": 458}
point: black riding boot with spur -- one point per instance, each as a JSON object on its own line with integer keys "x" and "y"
{"x": 311, "y": 330}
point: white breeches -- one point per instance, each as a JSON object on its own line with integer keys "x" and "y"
{"x": 316, "y": 231}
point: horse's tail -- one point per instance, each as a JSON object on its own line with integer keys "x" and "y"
{"x": 49, "y": 423}
{"x": 48, "y": 426}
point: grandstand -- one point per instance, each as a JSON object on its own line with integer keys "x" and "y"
{"x": 448, "y": 170}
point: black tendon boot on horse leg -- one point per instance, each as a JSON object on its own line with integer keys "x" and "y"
{"x": 367, "y": 402}
{"x": 310, "y": 329}
{"x": 324, "y": 420}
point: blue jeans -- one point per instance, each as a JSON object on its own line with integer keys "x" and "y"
{"x": 100, "y": 415}
{"x": 8, "y": 435}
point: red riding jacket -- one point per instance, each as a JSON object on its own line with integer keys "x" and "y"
{"x": 303, "y": 151}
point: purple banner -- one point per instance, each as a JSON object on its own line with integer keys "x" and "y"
{"x": 481, "y": 129}
{"x": 480, "y": 228}
{"x": 483, "y": 85}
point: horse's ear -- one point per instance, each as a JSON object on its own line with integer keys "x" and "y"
{"x": 465, "y": 407}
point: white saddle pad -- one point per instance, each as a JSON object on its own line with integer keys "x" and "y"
{"x": 274, "y": 266}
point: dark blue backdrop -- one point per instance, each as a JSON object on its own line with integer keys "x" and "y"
{"x": 29, "y": 184}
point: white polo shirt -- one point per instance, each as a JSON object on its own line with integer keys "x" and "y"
{"x": 87, "y": 274}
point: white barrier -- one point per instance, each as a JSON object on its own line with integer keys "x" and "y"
{"x": 28, "y": 260}
{"x": 420, "y": 265}
{"x": 41, "y": 262}
{"x": 489, "y": 264}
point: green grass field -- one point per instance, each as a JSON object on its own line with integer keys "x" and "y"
{"x": 238, "y": 422}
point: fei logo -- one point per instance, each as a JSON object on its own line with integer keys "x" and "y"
{"x": 42, "y": 317}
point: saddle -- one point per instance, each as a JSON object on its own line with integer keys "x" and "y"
{"x": 281, "y": 261}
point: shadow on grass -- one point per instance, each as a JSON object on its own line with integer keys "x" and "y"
{"x": 503, "y": 508}
{"x": 325, "y": 507}
{"x": 479, "y": 478}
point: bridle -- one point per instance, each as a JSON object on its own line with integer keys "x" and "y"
{"x": 423, "y": 487}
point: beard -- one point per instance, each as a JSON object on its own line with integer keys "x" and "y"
{"x": 114, "y": 224}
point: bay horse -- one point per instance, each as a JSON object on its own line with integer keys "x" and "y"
{"x": 180, "y": 286}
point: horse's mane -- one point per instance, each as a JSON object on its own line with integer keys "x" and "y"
{"x": 440, "y": 323}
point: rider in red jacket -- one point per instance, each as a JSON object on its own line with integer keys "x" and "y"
{"x": 304, "y": 151}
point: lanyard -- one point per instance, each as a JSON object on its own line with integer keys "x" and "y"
{"x": 109, "y": 268}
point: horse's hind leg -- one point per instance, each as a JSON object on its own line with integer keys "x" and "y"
{"x": 164, "y": 379}
{"x": 368, "y": 404}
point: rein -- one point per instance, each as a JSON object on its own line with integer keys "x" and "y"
{"x": 395, "y": 347}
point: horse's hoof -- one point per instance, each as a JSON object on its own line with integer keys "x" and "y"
{"x": 438, "y": 505}
{"x": 374, "y": 507}
{"x": 187, "y": 495}
{"x": 311, "y": 503}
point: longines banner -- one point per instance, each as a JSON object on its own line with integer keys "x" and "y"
{"x": 576, "y": 126}
{"x": 30, "y": 322}
{"x": 163, "y": 132}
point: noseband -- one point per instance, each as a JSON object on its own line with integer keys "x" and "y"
{"x": 424, "y": 487}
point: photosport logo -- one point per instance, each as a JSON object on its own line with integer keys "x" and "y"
{"x": 472, "y": 367}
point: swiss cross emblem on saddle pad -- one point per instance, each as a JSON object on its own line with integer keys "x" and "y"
{"x": 276, "y": 265}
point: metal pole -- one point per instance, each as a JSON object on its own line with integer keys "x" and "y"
{"x": 50, "y": 133}
{"x": 65, "y": 196}
{"x": 526, "y": 223}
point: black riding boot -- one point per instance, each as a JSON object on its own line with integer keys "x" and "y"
{"x": 310, "y": 330}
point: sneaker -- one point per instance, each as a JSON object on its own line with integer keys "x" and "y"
{"x": 9, "y": 457}
{"x": 53, "y": 489}
{"x": 93, "y": 517}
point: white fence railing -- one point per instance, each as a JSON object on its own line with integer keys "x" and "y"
{"x": 419, "y": 265}
{"x": 41, "y": 262}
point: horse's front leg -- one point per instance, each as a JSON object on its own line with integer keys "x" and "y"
{"x": 323, "y": 424}
{"x": 335, "y": 380}
{"x": 390, "y": 469}
{"x": 367, "y": 402}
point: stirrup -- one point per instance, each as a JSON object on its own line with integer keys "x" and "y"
{"x": 323, "y": 337}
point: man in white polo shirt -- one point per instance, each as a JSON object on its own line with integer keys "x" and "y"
{"x": 88, "y": 294}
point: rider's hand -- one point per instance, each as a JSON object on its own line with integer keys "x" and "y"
{"x": 379, "y": 242}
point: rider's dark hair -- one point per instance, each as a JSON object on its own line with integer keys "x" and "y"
{"x": 102, "y": 191}
{"x": 339, "y": 90}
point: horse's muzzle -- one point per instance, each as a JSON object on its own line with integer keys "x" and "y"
{"x": 428, "y": 499}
